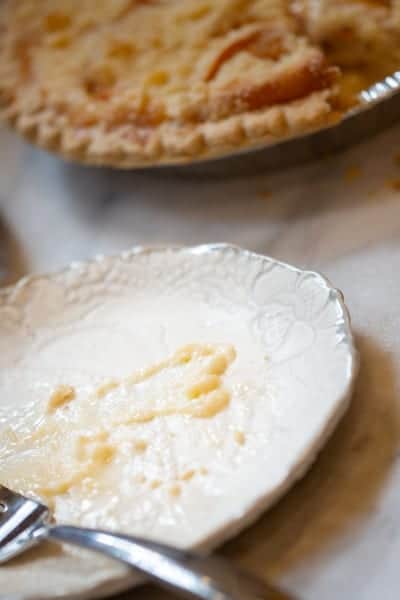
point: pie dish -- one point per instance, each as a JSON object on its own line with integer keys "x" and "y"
{"x": 188, "y": 479}
{"x": 161, "y": 81}
{"x": 362, "y": 37}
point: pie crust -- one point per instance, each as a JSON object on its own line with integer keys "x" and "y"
{"x": 130, "y": 82}
{"x": 361, "y": 36}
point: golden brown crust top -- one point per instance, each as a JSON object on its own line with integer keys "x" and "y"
{"x": 140, "y": 80}
{"x": 362, "y": 36}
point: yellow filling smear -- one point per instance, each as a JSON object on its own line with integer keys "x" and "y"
{"x": 207, "y": 384}
{"x": 188, "y": 475}
{"x": 61, "y": 396}
{"x": 240, "y": 438}
{"x": 101, "y": 455}
{"x": 106, "y": 388}
{"x": 68, "y": 449}
{"x": 175, "y": 490}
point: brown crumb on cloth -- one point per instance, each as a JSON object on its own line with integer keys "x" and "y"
{"x": 352, "y": 173}
{"x": 264, "y": 194}
{"x": 394, "y": 184}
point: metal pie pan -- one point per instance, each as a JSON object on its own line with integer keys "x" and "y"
{"x": 378, "y": 109}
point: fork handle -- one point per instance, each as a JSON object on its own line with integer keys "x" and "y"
{"x": 187, "y": 574}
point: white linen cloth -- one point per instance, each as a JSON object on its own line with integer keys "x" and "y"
{"x": 337, "y": 535}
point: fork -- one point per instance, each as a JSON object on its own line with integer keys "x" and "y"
{"x": 25, "y": 522}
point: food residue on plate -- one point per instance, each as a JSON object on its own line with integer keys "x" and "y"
{"x": 79, "y": 435}
{"x": 240, "y": 438}
{"x": 61, "y": 396}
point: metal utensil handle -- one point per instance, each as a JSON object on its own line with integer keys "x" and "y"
{"x": 187, "y": 574}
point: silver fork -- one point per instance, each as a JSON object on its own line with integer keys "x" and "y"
{"x": 25, "y": 523}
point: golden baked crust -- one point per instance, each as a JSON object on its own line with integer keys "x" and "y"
{"x": 125, "y": 82}
{"x": 361, "y": 36}
{"x": 149, "y": 80}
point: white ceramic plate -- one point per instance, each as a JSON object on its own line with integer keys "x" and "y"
{"x": 291, "y": 383}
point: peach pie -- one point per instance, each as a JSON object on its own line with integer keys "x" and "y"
{"x": 128, "y": 82}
